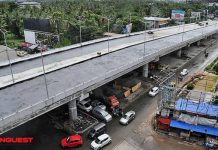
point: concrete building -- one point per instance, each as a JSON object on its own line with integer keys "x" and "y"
{"x": 31, "y": 4}
{"x": 156, "y": 22}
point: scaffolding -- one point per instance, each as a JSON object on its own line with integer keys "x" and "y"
{"x": 186, "y": 105}
{"x": 168, "y": 91}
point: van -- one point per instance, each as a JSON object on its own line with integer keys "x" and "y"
{"x": 97, "y": 130}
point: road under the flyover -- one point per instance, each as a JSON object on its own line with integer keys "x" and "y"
{"x": 138, "y": 134}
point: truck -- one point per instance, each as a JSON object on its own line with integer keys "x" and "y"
{"x": 109, "y": 99}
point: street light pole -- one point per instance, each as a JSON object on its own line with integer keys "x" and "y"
{"x": 12, "y": 75}
{"x": 130, "y": 17}
{"x": 183, "y": 31}
{"x": 43, "y": 67}
{"x": 80, "y": 31}
{"x": 202, "y": 32}
{"x": 130, "y": 20}
{"x": 144, "y": 38}
{"x": 108, "y": 28}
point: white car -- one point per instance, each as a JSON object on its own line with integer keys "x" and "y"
{"x": 101, "y": 141}
{"x": 154, "y": 91}
{"x": 128, "y": 117}
{"x": 184, "y": 72}
{"x": 85, "y": 105}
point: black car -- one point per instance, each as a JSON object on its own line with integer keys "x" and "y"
{"x": 97, "y": 130}
{"x": 95, "y": 103}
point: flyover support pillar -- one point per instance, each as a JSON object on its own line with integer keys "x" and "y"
{"x": 145, "y": 71}
{"x": 72, "y": 110}
{"x": 198, "y": 43}
{"x": 179, "y": 53}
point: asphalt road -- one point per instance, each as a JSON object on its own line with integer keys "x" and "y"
{"x": 138, "y": 134}
{"x": 76, "y": 52}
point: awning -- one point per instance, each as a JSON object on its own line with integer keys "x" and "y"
{"x": 195, "y": 128}
{"x": 163, "y": 120}
{"x": 197, "y": 108}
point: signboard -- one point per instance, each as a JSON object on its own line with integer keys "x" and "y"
{"x": 37, "y": 24}
{"x": 127, "y": 29}
{"x": 30, "y": 37}
{"x": 196, "y": 15}
{"x": 178, "y": 15}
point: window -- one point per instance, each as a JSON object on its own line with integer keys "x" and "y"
{"x": 104, "y": 113}
{"x": 68, "y": 140}
{"x": 98, "y": 141}
{"x": 87, "y": 105}
{"x": 125, "y": 116}
{"x": 104, "y": 140}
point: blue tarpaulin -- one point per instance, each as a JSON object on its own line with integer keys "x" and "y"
{"x": 195, "y": 128}
{"x": 202, "y": 108}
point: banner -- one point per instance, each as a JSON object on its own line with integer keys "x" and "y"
{"x": 178, "y": 15}
{"x": 196, "y": 15}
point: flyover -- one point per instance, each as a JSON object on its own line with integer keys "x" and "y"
{"x": 30, "y": 97}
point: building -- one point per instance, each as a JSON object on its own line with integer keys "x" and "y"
{"x": 156, "y": 22}
{"x": 212, "y": 4}
{"x": 30, "y": 4}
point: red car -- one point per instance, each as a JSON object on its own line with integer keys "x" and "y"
{"x": 113, "y": 101}
{"x": 72, "y": 141}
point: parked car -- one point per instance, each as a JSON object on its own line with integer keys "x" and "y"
{"x": 184, "y": 72}
{"x": 150, "y": 32}
{"x": 98, "y": 103}
{"x": 116, "y": 111}
{"x": 101, "y": 141}
{"x": 101, "y": 114}
{"x": 85, "y": 105}
{"x": 72, "y": 141}
{"x": 154, "y": 91}
{"x": 127, "y": 118}
{"x": 97, "y": 130}
{"x": 200, "y": 23}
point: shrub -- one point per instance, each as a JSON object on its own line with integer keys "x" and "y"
{"x": 215, "y": 101}
{"x": 190, "y": 86}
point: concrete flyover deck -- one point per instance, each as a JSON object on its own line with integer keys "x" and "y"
{"x": 28, "y": 99}
{"x": 30, "y": 67}
{"x": 60, "y": 54}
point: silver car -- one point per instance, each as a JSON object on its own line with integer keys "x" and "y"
{"x": 98, "y": 103}
{"x": 101, "y": 114}
{"x": 85, "y": 105}
{"x": 127, "y": 118}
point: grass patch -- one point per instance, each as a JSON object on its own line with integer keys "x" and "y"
{"x": 213, "y": 66}
{"x": 208, "y": 83}
{"x": 12, "y": 41}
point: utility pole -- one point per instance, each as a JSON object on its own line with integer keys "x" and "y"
{"x": 6, "y": 49}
